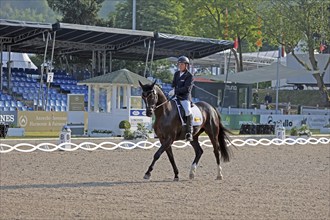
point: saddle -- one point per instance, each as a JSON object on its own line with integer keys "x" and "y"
{"x": 196, "y": 113}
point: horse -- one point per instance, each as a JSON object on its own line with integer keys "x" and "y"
{"x": 168, "y": 128}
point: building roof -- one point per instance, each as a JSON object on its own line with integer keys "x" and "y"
{"x": 81, "y": 40}
{"x": 122, "y": 76}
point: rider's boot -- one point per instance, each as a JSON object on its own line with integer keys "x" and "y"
{"x": 189, "y": 136}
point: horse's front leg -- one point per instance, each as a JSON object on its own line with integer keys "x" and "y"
{"x": 156, "y": 157}
{"x": 171, "y": 158}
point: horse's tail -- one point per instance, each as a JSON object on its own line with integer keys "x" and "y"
{"x": 223, "y": 136}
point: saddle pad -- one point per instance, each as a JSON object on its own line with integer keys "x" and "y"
{"x": 196, "y": 112}
{"x": 197, "y": 116}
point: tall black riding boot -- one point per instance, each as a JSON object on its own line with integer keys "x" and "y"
{"x": 189, "y": 136}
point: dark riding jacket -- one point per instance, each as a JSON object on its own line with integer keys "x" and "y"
{"x": 183, "y": 85}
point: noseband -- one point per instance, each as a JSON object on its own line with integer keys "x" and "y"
{"x": 153, "y": 107}
{"x": 152, "y": 92}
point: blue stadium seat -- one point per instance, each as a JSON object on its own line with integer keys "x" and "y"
{"x": 19, "y": 104}
{"x": 13, "y": 104}
{"x": 7, "y": 104}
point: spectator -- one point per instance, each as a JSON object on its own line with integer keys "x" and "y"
{"x": 268, "y": 98}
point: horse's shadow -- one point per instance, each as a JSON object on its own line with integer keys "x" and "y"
{"x": 82, "y": 185}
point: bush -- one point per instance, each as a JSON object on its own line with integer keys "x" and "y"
{"x": 294, "y": 131}
{"x": 304, "y": 130}
{"x": 128, "y": 135}
{"x": 124, "y": 125}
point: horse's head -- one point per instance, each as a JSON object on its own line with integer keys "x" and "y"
{"x": 150, "y": 97}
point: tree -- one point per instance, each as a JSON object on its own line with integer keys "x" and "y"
{"x": 162, "y": 16}
{"x": 77, "y": 11}
{"x": 29, "y": 10}
{"x": 289, "y": 22}
{"x": 222, "y": 19}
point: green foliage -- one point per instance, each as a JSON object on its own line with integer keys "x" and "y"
{"x": 162, "y": 16}
{"x": 304, "y": 130}
{"x": 124, "y": 124}
{"x": 141, "y": 132}
{"x": 28, "y": 10}
{"x": 289, "y": 22}
{"x": 128, "y": 135}
{"x": 77, "y": 12}
{"x": 294, "y": 131}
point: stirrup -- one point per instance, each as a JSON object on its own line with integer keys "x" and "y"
{"x": 189, "y": 137}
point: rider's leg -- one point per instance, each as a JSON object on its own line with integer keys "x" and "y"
{"x": 187, "y": 108}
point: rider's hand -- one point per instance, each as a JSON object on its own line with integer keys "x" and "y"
{"x": 171, "y": 93}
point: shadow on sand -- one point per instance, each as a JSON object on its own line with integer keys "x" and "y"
{"x": 81, "y": 185}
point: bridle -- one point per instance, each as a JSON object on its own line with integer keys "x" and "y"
{"x": 153, "y": 107}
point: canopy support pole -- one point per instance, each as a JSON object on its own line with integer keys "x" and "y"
{"x": 224, "y": 90}
{"x": 1, "y": 71}
{"x": 145, "y": 68}
{"x": 40, "y": 94}
{"x": 50, "y": 67}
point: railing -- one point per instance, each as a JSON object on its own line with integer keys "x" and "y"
{"x": 145, "y": 144}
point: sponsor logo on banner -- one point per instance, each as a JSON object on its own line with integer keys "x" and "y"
{"x": 8, "y": 117}
{"x": 42, "y": 121}
{"x": 23, "y": 121}
{"x": 138, "y": 112}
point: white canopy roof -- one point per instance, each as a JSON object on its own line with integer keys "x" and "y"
{"x": 20, "y": 60}
{"x": 263, "y": 74}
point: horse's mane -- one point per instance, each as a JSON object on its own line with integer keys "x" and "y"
{"x": 159, "y": 90}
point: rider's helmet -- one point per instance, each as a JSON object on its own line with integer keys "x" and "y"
{"x": 183, "y": 59}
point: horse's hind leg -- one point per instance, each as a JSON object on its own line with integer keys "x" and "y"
{"x": 216, "y": 149}
{"x": 198, "y": 154}
{"x": 171, "y": 158}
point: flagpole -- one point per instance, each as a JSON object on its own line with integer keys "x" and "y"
{"x": 277, "y": 77}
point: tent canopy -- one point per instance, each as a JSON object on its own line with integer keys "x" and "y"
{"x": 122, "y": 76}
{"x": 19, "y": 60}
{"x": 263, "y": 74}
{"x": 81, "y": 40}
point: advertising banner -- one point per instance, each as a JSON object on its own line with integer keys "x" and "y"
{"x": 8, "y": 117}
{"x": 76, "y": 102}
{"x": 234, "y": 122}
{"x": 290, "y": 121}
{"x": 41, "y": 121}
{"x": 139, "y": 116}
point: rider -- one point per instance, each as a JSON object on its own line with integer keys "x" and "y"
{"x": 182, "y": 84}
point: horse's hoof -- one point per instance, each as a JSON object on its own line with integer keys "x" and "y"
{"x": 219, "y": 178}
{"x": 176, "y": 179}
{"x": 191, "y": 176}
{"x": 146, "y": 176}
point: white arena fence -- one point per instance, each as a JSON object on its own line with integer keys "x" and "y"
{"x": 145, "y": 144}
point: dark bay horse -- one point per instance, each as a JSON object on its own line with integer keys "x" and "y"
{"x": 168, "y": 128}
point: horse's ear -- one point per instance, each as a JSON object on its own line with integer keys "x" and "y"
{"x": 140, "y": 84}
{"x": 154, "y": 84}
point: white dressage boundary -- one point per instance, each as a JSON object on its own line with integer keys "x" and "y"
{"x": 145, "y": 144}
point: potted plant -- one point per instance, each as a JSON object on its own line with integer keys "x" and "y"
{"x": 294, "y": 131}
{"x": 123, "y": 126}
{"x": 304, "y": 131}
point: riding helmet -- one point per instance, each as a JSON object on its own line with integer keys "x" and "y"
{"x": 183, "y": 59}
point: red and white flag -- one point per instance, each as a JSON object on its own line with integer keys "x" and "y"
{"x": 236, "y": 43}
{"x": 322, "y": 47}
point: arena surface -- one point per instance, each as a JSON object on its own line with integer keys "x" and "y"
{"x": 260, "y": 182}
